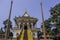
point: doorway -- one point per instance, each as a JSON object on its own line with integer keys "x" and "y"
{"x": 25, "y": 33}
{"x": 25, "y": 27}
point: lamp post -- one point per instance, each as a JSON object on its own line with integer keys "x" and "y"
{"x": 6, "y": 33}
{"x": 44, "y": 32}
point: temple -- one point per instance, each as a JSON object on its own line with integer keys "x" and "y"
{"x": 25, "y": 27}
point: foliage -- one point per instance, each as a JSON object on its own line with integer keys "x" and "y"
{"x": 47, "y": 24}
{"x": 55, "y": 18}
{"x": 7, "y": 24}
{"x": 1, "y": 31}
{"x": 39, "y": 34}
{"x": 9, "y": 27}
{"x": 55, "y": 15}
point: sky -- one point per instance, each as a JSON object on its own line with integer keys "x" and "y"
{"x": 20, "y": 6}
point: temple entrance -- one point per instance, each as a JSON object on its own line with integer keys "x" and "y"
{"x": 25, "y": 33}
{"x": 25, "y": 27}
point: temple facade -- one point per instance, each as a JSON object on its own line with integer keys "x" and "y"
{"x": 25, "y": 22}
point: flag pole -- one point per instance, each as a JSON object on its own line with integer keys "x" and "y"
{"x": 44, "y": 32}
{"x": 6, "y": 33}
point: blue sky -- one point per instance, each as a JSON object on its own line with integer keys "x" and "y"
{"x": 20, "y": 6}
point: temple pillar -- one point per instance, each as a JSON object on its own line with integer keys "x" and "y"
{"x": 23, "y": 25}
{"x": 31, "y": 25}
{"x": 19, "y": 25}
{"x": 28, "y": 26}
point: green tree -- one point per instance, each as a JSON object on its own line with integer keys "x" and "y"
{"x": 55, "y": 19}
{"x": 39, "y": 33}
{"x": 47, "y": 25}
{"x": 7, "y": 24}
{"x": 55, "y": 15}
{"x": 1, "y": 31}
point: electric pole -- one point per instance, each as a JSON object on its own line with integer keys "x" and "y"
{"x": 6, "y": 33}
{"x": 44, "y": 32}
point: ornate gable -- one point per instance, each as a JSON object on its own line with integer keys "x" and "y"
{"x": 26, "y": 14}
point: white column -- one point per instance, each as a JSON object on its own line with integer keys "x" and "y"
{"x": 23, "y": 25}
{"x": 19, "y": 25}
{"x": 28, "y": 26}
{"x": 35, "y": 36}
{"x": 32, "y": 25}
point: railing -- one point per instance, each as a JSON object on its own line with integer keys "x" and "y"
{"x": 29, "y": 33}
{"x": 21, "y": 35}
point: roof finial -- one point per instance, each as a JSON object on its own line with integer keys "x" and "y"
{"x": 26, "y": 10}
{"x": 25, "y": 13}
